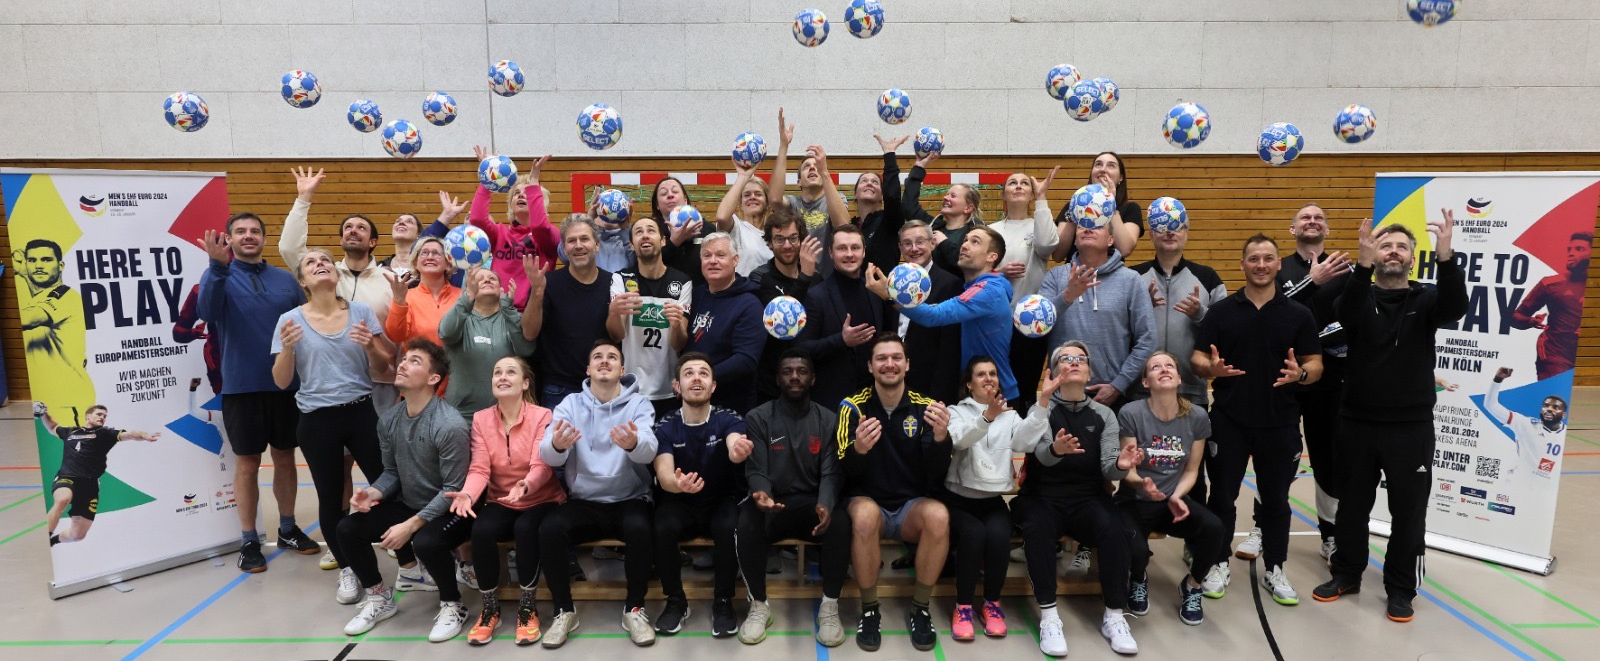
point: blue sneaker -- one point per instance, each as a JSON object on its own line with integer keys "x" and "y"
{"x": 1139, "y": 596}
{"x": 1190, "y": 610}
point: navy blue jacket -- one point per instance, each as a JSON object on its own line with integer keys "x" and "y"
{"x": 726, "y": 325}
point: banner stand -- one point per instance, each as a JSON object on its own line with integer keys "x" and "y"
{"x": 58, "y": 591}
{"x": 1503, "y": 557}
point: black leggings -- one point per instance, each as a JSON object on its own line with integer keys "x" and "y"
{"x": 1275, "y": 453}
{"x": 497, "y": 523}
{"x": 325, "y": 434}
{"x": 1206, "y": 537}
{"x": 677, "y": 521}
{"x": 796, "y": 520}
{"x": 578, "y": 521}
{"x": 980, "y": 529}
{"x": 1094, "y": 522}
{"x": 432, "y": 544}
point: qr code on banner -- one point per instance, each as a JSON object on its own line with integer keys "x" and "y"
{"x": 1489, "y": 467}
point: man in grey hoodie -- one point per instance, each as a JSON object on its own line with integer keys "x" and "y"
{"x": 1107, "y": 307}
{"x": 602, "y": 436}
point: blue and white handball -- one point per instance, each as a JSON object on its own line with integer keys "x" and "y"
{"x": 1034, "y": 316}
{"x": 864, "y": 18}
{"x": 1280, "y": 143}
{"x": 1186, "y": 125}
{"x": 894, "y": 106}
{"x": 1092, "y": 206}
{"x": 749, "y": 150}
{"x": 497, "y": 173}
{"x": 784, "y": 317}
{"x": 1355, "y": 123}
{"x": 301, "y": 89}
{"x": 1109, "y": 93}
{"x": 1059, "y": 81}
{"x": 1086, "y": 101}
{"x": 186, "y": 111}
{"x": 909, "y": 285}
{"x": 439, "y": 109}
{"x": 600, "y": 126}
{"x": 614, "y": 206}
{"x": 365, "y": 116}
{"x": 505, "y": 78}
{"x": 810, "y": 27}
{"x": 1166, "y": 215}
{"x": 401, "y": 139}
{"x": 1432, "y": 12}
{"x": 928, "y": 141}
{"x": 683, "y": 216}
{"x": 468, "y": 246}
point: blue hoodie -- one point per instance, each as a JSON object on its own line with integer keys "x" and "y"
{"x": 726, "y": 325}
{"x": 597, "y": 470}
{"x": 984, "y": 312}
{"x": 242, "y": 302}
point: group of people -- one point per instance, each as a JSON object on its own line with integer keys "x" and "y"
{"x": 614, "y": 381}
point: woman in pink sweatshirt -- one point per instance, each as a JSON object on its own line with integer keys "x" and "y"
{"x": 527, "y": 232}
{"x": 520, "y": 487}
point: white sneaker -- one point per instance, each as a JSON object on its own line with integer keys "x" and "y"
{"x": 415, "y": 579}
{"x": 1277, "y": 584}
{"x": 466, "y": 575}
{"x": 565, "y": 623}
{"x": 1115, "y": 629}
{"x": 1051, "y": 639}
{"x": 830, "y": 631}
{"x": 754, "y": 629}
{"x": 637, "y": 623}
{"x": 1216, "y": 583}
{"x": 607, "y": 553}
{"x": 379, "y": 606}
{"x": 511, "y": 561}
{"x": 327, "y": 561}
{"x": 1017, "y": 555}
{"x": 448, "y": 623}
{"x": 1080, "y": 561}
{"x": 349, "y": 591}
{"x": 1250, "y": 548}
{"x": 1328, "y": 547}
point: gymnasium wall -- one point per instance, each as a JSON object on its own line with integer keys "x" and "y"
{"x": 85, "y": 79}
{"x": 1229, "y": 198}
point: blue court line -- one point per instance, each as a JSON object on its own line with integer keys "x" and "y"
{"x": 199, "y": 608}
{"x": 1436, "y": 601}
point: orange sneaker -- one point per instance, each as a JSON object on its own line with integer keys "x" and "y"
{"x": 483, "y": 631}
{"x": 527, "y": 627}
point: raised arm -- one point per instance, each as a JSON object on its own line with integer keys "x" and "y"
{"x": 838, "y": 211}
{"x": 729, "y": 206}
{"x": 292, "y": 245}
{"x": 780, "y": 164}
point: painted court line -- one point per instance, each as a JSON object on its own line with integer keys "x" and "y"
{"x": 199, "y": 608}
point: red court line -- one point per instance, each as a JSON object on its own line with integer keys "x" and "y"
{"x": 1582, "y": 454}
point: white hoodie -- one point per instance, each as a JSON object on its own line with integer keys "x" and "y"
{"x": 597, "y": 469}
{"x": 981, "y": 464}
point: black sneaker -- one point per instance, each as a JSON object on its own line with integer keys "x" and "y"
{"x": 672, "y": 616}
{"x": 920, "y": 622}
{"x": 723, "y": 622}
{"x": 1400, "y": 609}
{"x": 869, "y": 631}
{"x": 1190, "y": 609}
{"x": 1332, "y": 590}
{"x": 1139, "y": 596}
{"x": 575, "y": 571}
{"x": 54, "y": 539}
{"x": 250, "y": 559}
{"x": 296, "y": 541}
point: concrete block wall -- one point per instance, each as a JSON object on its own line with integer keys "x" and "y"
{"x": 85, "y": 79}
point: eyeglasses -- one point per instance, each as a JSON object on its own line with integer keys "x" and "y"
{"x": 1072, "y": 360}
{"x": 910, "y": 243}
{"x": 430, "y": 253}
{"x": 785, "y": 240}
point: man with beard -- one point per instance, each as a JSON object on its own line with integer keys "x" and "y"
{"x": 241, "y": 295}
{"x": 841, "y": 317}
{"x": 576, "y": 300}
{"x": 53, "y": 330}
{"x": 894, "y": 446}
{"x": 1538, "y": 443}
{"x": 699, "y": 451}
{"x": 791, "y": 272}
{"x": 1258, "y": 346}
{"x": 726, "y": 323}
{"x": 795, "y": 483}
{"x": 1386, "y": 415}
{"x": 648, "y": 314}
{"x": 1561, "y": 296}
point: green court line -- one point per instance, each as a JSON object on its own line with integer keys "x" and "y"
{"x": 38, "y": 494}
{"x": 938, "y": 648}
{"x": 35, "y": 526}
{"x": 1593, "y": 621}
{"x": 1029, "y": 625}
{"x": 1558, "y": 625}
{"x": 1572, "y": 435}
{"x": 65, "y": 643}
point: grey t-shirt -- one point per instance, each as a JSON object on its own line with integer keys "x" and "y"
{"x": 818, "y": 225}
{"x": 1168, "y": 446}
{"x": 341, "y": 369}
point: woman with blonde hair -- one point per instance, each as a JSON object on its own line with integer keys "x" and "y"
{"x": 958, "y": 213}
{"x": 417, "y": 311}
